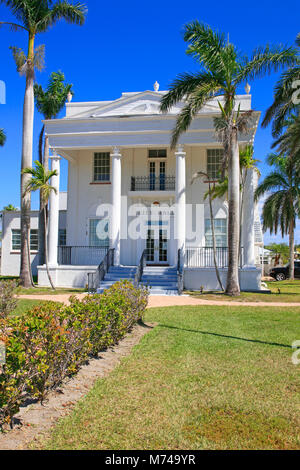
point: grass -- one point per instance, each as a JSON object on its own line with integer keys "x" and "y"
{"x": 204, "y": 378}
{"x": 25, "y": 304}
{"x": 48, "y": 291}
{"x": 283, "y": 291}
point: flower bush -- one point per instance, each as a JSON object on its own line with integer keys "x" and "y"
{"x": 52, "y": 341}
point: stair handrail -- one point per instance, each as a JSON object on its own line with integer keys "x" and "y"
{"x": 179, "y": 272}
{"x": 95, "y": 278}
{"x": 140, "y": 268}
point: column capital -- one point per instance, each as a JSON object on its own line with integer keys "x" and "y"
{"x": 116, "y": 152}
{"x": 54, "y": 155}
{"x": 180, "y": 151}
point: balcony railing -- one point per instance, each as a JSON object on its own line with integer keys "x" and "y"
{"x": 81, "y": 255}
{"x": 153, "y": 183}
{"x": 204, "y": 257}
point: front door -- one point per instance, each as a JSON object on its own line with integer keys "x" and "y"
{"x": 157, "y": 246}
{"x": 157, "y": 175}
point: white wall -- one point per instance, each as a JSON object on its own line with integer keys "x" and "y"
{"x": 10, "y": 260}
{"x": 85, "y": 197}
{"x": 194, "y": 279}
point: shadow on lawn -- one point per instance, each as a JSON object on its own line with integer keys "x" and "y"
{"x": 227, "y": 336}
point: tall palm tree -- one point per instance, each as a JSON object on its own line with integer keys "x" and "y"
{"x": 222, "y": 71}
{"x": 40, "y": 181}
{"x": 2, "y": 137}
{"x": 282, "y": 206}
{"x": 49, "y": 103}
{"x": 34, "y": 17}
{"x": 286, "y": 97}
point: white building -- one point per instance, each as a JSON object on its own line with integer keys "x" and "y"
{"x": 11, "y": 238}
{"x": 130, "y": 192}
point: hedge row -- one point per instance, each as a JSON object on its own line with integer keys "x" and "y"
{"x": 52, "y": 341}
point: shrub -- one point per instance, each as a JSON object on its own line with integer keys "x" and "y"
{"x": 51, "y": 341}
{"x": 8, "y": 301}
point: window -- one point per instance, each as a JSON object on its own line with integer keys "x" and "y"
{"x": 102, "y": 166}
{"x": 160, "y": 153}
{"x": 62, "y": 237}
{"x": 16, "y": 240}
{"x": 220, "y": 233}
{"x": 34, "y": 240}
{"x": 214, "y": 162}
{"x": 99, "y": 233}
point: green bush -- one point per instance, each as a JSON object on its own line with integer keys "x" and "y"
{"x": 51, "y": 341}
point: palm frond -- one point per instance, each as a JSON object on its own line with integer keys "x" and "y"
{"x": 183, "y": 86}
{"x": 266, "y": 60}
{"x": 14, "y": 27}
{"x": 206, "y": 45}
{"x": 284, "y": 102}
{"x": 195, "y": 102}
{"x": 2, "y": 137}
{"x": 71, "y": 13}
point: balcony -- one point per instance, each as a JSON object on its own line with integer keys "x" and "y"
{"x": 152, "y": 183}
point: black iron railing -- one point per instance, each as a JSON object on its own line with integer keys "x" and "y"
{"x": 153, "y": 183}
{"x": 140, "y": 268}
{"x": 203, "y": 257}
{"x": 180, "y": 271}
{"x": 95, "y": 278}
{"x": 80, "y": 255}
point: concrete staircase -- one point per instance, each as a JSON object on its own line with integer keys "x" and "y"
{"x": 117, "y": 273}
{"x": 162, "y": 280}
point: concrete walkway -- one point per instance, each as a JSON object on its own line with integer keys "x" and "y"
{"x": 170, "y": 301}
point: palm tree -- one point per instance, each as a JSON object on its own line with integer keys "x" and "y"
{"x": 223, "y": 70}
{"x": 282, "y": 206}
{"x": 40, "y": 181}
{"x": 209, "y": 194}
{"x": 34, "y": 17}
{"x": 49, "y": 103}
{"x": 10, "y": 208}
{"x": 286, "y": 98}
{"x": 2, "y": 137}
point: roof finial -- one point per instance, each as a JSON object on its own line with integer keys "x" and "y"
{"x": 69, "y": 97}
{"x": 156, "y": 86}
{"x": 247, "y": 88}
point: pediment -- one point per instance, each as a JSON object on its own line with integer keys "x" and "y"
{"x": 146, "y": 103}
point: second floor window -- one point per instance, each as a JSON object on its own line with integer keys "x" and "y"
{"x": 214, "y": 163}
{"x": 102, "y": 166}
{"x": 16, "y": 240}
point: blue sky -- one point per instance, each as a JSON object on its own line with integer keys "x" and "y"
{"x": 127, "y": 46}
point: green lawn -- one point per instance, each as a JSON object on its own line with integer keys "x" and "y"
{"x": 204, "y": 378}
{"x": 24, "y": 304}
{"x": 283, "y": 291}
{"x": 48, "y": 291}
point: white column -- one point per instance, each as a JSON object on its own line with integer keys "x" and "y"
{"x": 248, "y": 219}
{"x": 180, "y": 199}
{"x": 54, "y": 211}
{"x": 115, "y": 230}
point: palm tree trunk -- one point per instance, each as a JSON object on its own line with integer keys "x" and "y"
{"x": 232, "y": 287}
{"x": 28, "y": 113}
{"x": 214, "y": 238}
{"x": 45, "y": 162}
{"x": 292, "y": 249}
{"x": 46, "y": 246}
